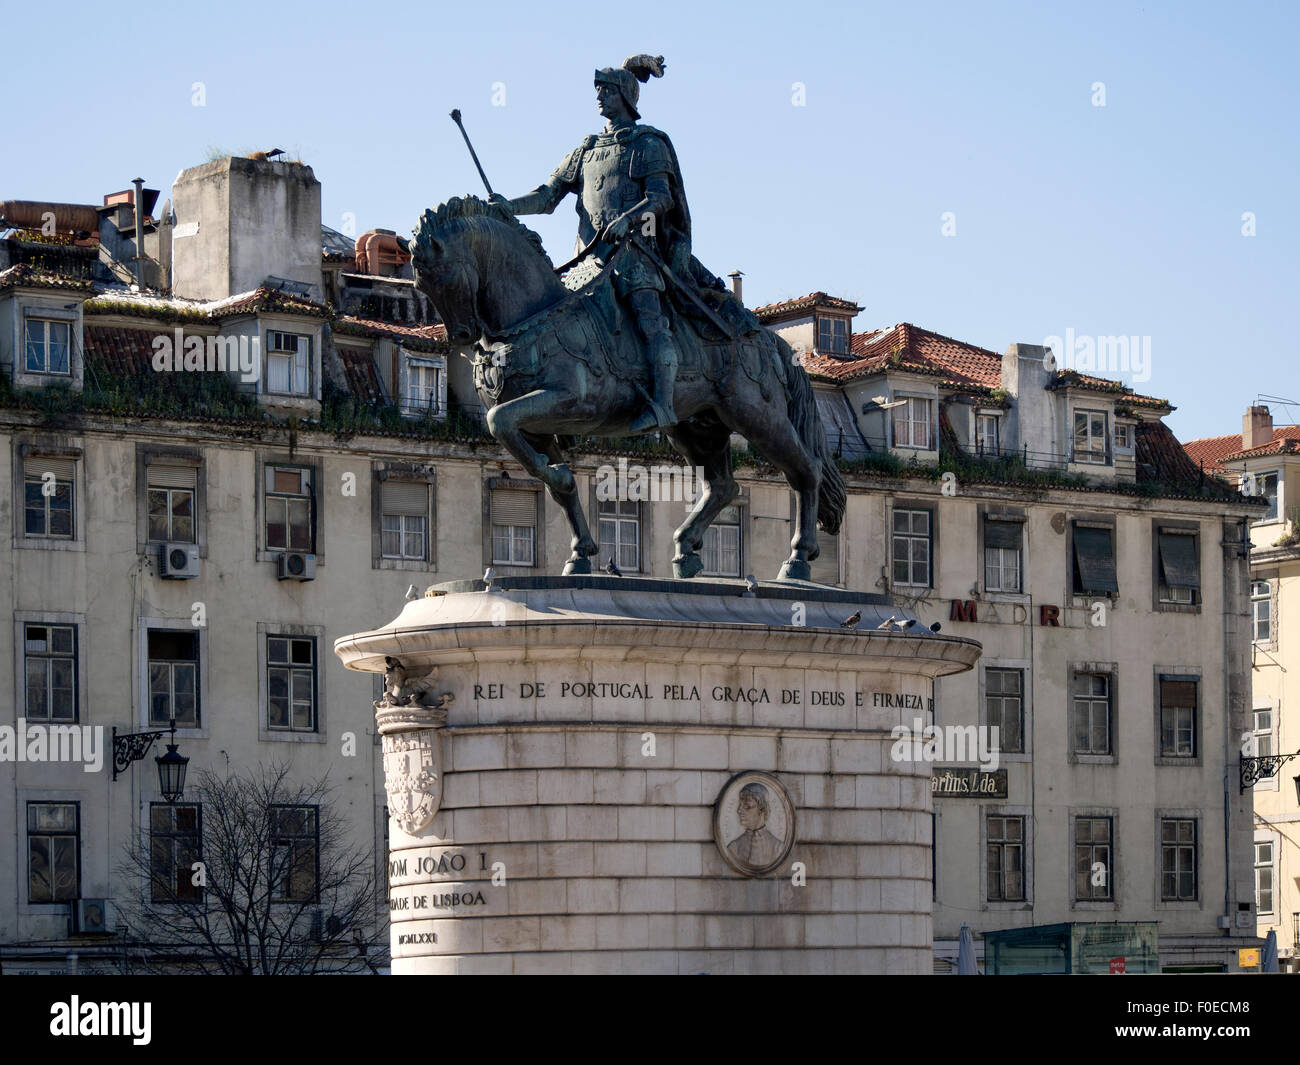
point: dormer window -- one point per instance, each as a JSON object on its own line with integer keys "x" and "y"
{"x": 48, "y": 344}
{"x": 425, "y": 387}
{"x": 832, "y": 335}
{"x": 1091, "y": 437}
{"x": 912, "y": 423}
{"x": 986, "y": 434}
{"x": 288, "y": 363}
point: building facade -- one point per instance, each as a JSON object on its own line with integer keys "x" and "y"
{"x": 1264, "y": 460}
{"x": 263, "y": 441}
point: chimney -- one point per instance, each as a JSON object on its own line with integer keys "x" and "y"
{"x": 1256, "y": 427}
{"x": 737, "y": 286}
{"x": 138, "y": 207}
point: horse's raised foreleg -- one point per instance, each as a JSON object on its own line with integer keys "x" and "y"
{"x": 706, "y": 447}
{"x": 507, "y": 422}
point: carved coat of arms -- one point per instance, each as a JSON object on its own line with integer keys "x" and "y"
{"x": 413, "y": 777}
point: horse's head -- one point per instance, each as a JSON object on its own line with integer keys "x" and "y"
{"x": 455, "y": 246}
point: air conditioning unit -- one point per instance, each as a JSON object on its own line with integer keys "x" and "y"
{"x": 90, "y": 917}
{"x": 296, "y": 566}
{"x": 178, "y": 562}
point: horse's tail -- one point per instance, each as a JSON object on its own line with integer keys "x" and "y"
{"x": 832, "y": 498}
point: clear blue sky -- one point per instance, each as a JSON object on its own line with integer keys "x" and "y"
{"x": 1123, "y": 219}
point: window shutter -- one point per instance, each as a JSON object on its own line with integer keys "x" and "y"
{"x": 1178, "y": 560}
{"x": 826, "y": 570}
{"x": 405, "y": 497}
{"x": 513, "y": 506}
{"x": 171, "y": 476}
{"x": 38, "y": 465}
{"x": 1002, "y": 534}
{"x": 1095, "y": 554}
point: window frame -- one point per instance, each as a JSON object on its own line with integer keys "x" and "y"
{"x": 715, "y": 532}
{"x": 981, "y": 418}
{"x": 1271, "y": 866}
{"x": 1095, "y": 670}
{"x": 1268, "y": 600}
{"x": 47, "y": 320}
{"x": 513, "y": 483}
{"x": 294, "y": 669}
{"x": 619, "y": 521}
{"x": 1003, "y": 696}
{"x": 838, "y": 345}
{"x": 411, "y": 362}
{"x": 266, "y": 631}
{"x": 1075, "y": 581}
{"x": 147, "y": 457}
{"x": 277, "y": 838}
{"x": 194, "y": 633}
{"x": 47, "y": 508}
{"x": 175, "y": 837}
{"x": 912, "y": 536}
{"x": 1002, "y": 841}
{"x": 50, "y": 657}
{"x": 1164, "y": 598}
{"x": 307, "y": 358}
{"x": 1165, "y": 756}
{"x": 1107, "y": 818}
{"x": 381, "y": 474}
{"x": 1089, "y": 413}
{"x": 906, "y": 403}
{"x": 1163, "y": 818}
{"x": 51, "y": 834}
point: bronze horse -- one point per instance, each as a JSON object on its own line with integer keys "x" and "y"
{"x": 551, "y": 362}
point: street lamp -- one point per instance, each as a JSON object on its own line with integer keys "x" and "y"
{"x": 132, "y": 746}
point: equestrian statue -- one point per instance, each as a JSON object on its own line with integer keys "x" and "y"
{"x": 632, "y": 335}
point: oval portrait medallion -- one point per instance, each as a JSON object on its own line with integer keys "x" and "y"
{"x": 754, "y": 823}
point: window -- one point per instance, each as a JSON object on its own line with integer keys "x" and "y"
{"x": 826, "y": 568}
{"x": 288, "y": 363}
{"x": 1179, "y": 566}
{"x": 53, "y": 846}
{"x": 291, "y": 683}
{"x": 50, "y": 668}
{"x": 1124, "y": 436}
{"x": 174, "y": 677}
{"x": 1006, "y": 858}
{"x": 1092, "y": 712}
{"x": 1261, "y": 612}
{"x": 912, "y": 541}
{"x": 48, "y": 497}
{"x": 404, "y": 519}
{"x": 1004, "y": 708}
{"x": 1263, "y": 732}
{"x": 1177, "y": 717}
{"x": 832, "y": 335}
{"x": 1263, "y": 877}
{"x": 170, "y": 501}
{"x": 1090, "y": 436}
{"x": 620, "y": 533}
{"x": 1092, "y": 856}
{"x": 175, "y": 842}
{"x": 48, "y": 343}
{"x": 294, "y": 853}
{"x": 1094, "y": 560}
{"x": 514, "y": 527}
{"x": 912, "y": 423}
{"x": 986, "y": 434}
{"x": 1002, "y": 541}
{"x": 1177, "y": 859}
{"x": 423, "y": 387}
{"x": 720, "y": 552}
{"x": 289, "y": 505}
{"x": 1263, "y": 484}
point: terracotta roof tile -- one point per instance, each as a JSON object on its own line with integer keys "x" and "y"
{"x": 266, "y": 299}
{"x": 1212, "y": 451}
{"x": 26, "y": 275}
{"x": 362, "y": 377}
{"x": 427, "y": 337}
{"x": 909, "y": 348}
{"x": 805, "y": 303}
{"x": 1160, "y": 457}
{"x": 123, "y": 352}
{"x": 1068, "y": 378}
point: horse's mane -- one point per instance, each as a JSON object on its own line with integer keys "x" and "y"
{"x": 469, "y": 208}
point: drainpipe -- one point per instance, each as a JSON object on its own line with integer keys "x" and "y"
{"x": 139, "y": 230}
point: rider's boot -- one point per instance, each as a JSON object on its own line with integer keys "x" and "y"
{"x": 660, "y": 413}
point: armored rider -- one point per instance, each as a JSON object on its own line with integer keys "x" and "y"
{"x": 626, "y": 179}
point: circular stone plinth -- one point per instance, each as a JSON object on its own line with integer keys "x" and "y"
{"x": 642, "y": 775}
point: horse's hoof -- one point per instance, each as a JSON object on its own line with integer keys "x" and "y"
{"x": 687, "y": 566}
{"x": 577, "y": 567}
{"x": 795, "y": 569}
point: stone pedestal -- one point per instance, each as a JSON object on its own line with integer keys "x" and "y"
{"x": 622, "y": 775}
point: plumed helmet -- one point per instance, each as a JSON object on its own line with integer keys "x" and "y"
{"x": 635, "y": 69}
